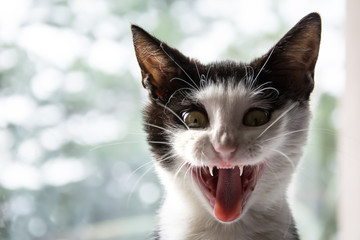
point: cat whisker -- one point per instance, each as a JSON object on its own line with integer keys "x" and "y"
{"x": 105, "y": 145}
{"x": 276, "y": 120}
{"x": 197, "y": 70}
{"x": 203, "y": 156}
{"x": 188, "y": 170}
{"x": 152, "y": 167}
{"x": 178, "y": 171}
{"x": 161, "y": 128}
{"x": 184, "y": 81}
{"x": 286, "y": 134}
{"x": 323, "y": 130}
{"x": 249, "y": 78}
{"x": 208, "y": 72}
{"x": 269, "y": 88}
{"x": 176, "y": 115}
{"x": 173, "y": 125}
{"x": 202, "y": 77}
{"x": 178, "y": 90}
{"x": 160, "y": 142}
{"x": 277, "y": 178}
{"x": 261, "y": 89}
{"x": 138, "y": 168}
{"x": 164, "y": 158}
{"x": 182, "y": 69}
{"x": 284, "y": 155}
{"x": 263, "y": 66}
{"x": 167, "y": 156}
{"x": 202, "y": 81}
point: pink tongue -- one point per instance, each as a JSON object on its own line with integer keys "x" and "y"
{"x": 228, "y": 205}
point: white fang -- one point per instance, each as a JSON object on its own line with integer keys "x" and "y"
{"x": 241, "y": 170}
{"x": 211, "y": 171}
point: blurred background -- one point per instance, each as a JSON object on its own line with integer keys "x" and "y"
{"x": 74, "y": 163}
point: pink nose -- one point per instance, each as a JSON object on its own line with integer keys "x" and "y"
{"x": 225, "y": 152}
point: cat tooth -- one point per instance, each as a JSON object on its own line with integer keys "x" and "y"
{"x": 211, "y": 170}
{"x": 241, "y": 170}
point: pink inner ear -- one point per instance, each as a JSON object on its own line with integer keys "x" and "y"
{"x": 156, "y": 66}
{"x": 290, "y": 64}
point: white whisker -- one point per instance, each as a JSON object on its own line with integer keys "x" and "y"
{"x": 138, "y": 181}
{"x": 277, "y": 178}
{"x": 249, "y": 78}
{"x": 178, "y": 171}
{"x": 195, "y": 86}
{"x": 208, "y": 72}
{"x": 178, "y": 90}
{"x": 105, "y": 145}
{"x": 160, "y": 142}
{"x": 277, "y": 119}
{"x": 177, "y": 116}
{"x": 188, "y": 170}
{"x": 197, "y": 70}
{"x": 261, "y": 86}
{"x": 156, "y": 126}
{"x": 286, "y": 134}
{"x": 284, "y": 155}
{"x": 184, "y": 81}
{"x": 263, "y": 66}
{"x": 261, "y": 89}
{"x": 138, "y": 168}
{"x": 323, "y": 130}
{"x": 164, "y": 158}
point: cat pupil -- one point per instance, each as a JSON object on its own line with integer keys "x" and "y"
{"x": 195, "y": 119}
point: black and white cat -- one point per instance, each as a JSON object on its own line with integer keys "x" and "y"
{"x": 227, "y": 136}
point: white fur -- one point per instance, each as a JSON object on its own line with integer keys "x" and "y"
{"x": 186, "y": 214}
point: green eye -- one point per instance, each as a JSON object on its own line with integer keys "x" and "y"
{"x": 256, "y": 117}
{"x": 195, "y": 119}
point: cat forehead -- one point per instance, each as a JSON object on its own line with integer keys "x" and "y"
{"x": 227, "y": 93}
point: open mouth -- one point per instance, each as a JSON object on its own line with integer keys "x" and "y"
{"x": 228, "y": 189}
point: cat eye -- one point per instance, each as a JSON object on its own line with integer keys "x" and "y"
{"x": 195, "y": 119}
{"x": 256, "y": 117}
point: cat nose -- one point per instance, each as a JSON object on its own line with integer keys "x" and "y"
{"x": 225, "y": 152}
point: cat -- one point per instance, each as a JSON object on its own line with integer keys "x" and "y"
{"x": 227, "y": 136}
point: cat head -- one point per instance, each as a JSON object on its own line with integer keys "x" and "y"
{"x": 229, "y": 126}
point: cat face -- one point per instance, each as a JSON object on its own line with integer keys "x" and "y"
{"x": 229, "y": 129}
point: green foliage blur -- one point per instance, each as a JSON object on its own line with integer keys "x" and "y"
{"x": 74, "y": 163}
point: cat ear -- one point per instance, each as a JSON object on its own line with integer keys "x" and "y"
{"x": 158, "y": 63}
{"x": 290, "y": 64}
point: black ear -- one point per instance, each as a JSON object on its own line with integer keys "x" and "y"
{"x": 158, "y": 62}
{"x": 290, "y": 64}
